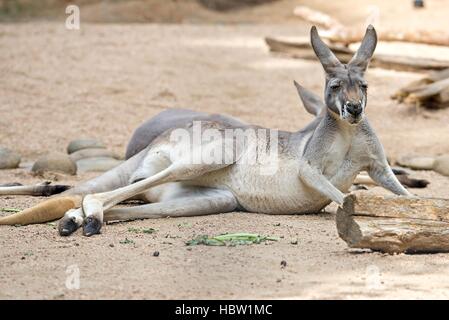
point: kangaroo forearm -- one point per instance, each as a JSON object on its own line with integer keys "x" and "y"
{"x": 320, "y": 183}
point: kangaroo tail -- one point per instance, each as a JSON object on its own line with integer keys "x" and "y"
{"x": 48, "y": 210}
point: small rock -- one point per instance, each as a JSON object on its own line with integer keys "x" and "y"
{"x": 98, "y": 164}
{"x": 80, "y": 144}
{"x": 111, "y": 245}
{"x": 93, "y": 153}
{"x": 156, "y": 254}
{"x": 283, "y": 264}
{"x": 55, "y": 162}
{"x": 8, "y": 159}
{"x": 295, "y": 241}
{"x": 441, "y": 165}
{"x": 417, "y": 162}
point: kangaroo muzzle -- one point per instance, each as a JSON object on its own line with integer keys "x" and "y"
{"x": 352, "y": 111}
{"x": 355, "y": 109}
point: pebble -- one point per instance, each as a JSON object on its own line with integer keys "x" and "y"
{"x": 441, "y": 165}
{"x": 93, "y": 153}
{"x": 156, "y": 254}
{"x": 81, "y": 144}
{"x": 8, "y": 159}
{"x": 417, "y": 162}
{"x": 97, "y": 164}
{"x": 55, "y": 162}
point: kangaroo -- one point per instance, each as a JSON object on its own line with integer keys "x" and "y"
{"x": 315, "y": 166}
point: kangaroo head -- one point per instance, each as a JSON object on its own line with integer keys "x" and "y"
{"x": 345, "y": 93}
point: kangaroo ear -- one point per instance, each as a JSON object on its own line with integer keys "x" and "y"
{"x": 311, "y": 101}
{"x": 322, "y": 51}
{"x": 363, "y": 55}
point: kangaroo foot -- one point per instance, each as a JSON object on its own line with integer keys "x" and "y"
{"x": 72, "y": 220}
{"x": 91, "y": 226}
{"x": 93, "y": 208}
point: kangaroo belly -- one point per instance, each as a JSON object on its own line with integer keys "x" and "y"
{"x": 260, "y": 189}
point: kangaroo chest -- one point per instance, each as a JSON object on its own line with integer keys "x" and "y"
{"x": 277, "y": 187}
{"x": 331, "y": 160}
{"x": 258, "y": 189}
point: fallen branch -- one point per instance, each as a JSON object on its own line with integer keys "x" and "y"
{"x": 301, "y": 49}
{"x": 318, "y": 18}
{"x": 394, "y": 224}
{"x": 337, "y": 32}
{"x": 430, "y": 91}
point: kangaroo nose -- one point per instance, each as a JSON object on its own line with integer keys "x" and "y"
{"x": 354, "y": 108}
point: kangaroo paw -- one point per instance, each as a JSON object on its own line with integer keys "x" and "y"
{"x": 72, "y": 220}
{"x": 91, "y": 226}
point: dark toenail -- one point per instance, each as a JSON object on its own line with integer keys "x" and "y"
{"x": 67, "y": 227}
{"x": 91, "y": 226}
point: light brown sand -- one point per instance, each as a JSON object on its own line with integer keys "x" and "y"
{"x": 103, "y": 81}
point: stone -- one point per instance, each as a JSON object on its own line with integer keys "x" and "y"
{"x": 55, "y": 162}
{"x": 92, "y": 153}
{"x": 441, "y": 165}
{"x": 80, "y": 144}
{"x": 98, "y": 164}
{"x": 417, "y": 162}
{"x": 9, "y": 159}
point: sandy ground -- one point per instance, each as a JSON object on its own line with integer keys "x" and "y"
{"x": 103, "y": 81}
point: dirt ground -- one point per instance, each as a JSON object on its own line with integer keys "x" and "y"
{"x": 104, "y": 80}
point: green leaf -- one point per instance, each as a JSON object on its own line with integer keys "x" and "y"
{"x": 231, "y": 239}
{"x": 127, "y": 241}
{"x": 10, "y": 210}
{"x": 146, "y": 230}
{"x": 149, "y": 230}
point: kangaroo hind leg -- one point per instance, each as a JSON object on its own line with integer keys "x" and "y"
{"x": 179, "y": 167}
{"x": 198, "y": 202}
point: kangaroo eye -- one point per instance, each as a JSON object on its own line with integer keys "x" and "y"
{"x": 335, "y": 86}
{"x": 364, "y": 86}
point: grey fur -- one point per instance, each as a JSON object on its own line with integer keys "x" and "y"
{"x": 317, "y": 165}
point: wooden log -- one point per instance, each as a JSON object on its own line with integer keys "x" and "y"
{"x": 337, "y": 32}
{"x": 434, "y": 95}
{"x": 317, "y": 17}
{"x": 443, "y": 96}
{"x": 420, "y": 84}
{"x": 394, "y": 224}
{"x": 404, "y": 63}
{"x": 303, "y": 50}
{"x": 427, "y": 91}
{"x": 348, "y": 36}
